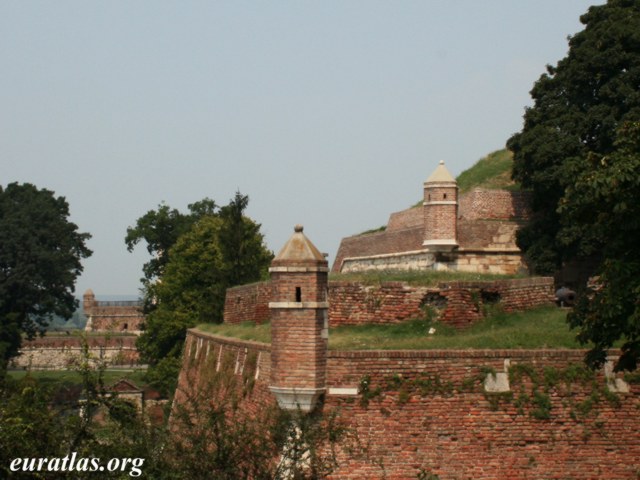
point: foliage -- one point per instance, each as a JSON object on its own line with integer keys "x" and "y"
{"x": 580, "y": 105}
{"x": 609, "y": 196}
{"x": 40, "y": 255}
{"x": 215, "y": 250}
{"x": 160, "y": 229}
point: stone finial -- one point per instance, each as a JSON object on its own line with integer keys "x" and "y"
{"x": 298, "y": 228}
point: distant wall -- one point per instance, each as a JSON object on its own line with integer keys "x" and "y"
{"x": 486, "y": 227}
{"x": 61, "y": 352}
{"x": 458, "y": 414}
{"x": 112, "y": 316}
{"x": 458, "y": 303}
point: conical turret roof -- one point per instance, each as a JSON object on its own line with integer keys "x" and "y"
{"x": 440, "y": 174}
{"x": 299, "y": 250}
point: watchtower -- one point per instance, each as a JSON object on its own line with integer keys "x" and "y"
{"x": 440, "y": 211}
{"x": 299, "y": 323}
{"x": 88, "y": 302}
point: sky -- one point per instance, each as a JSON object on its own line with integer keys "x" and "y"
{"x": 330, "y": 114}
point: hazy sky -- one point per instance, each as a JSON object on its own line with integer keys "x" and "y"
{"x": 327, "y": 113}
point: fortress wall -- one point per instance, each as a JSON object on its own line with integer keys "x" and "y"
{"x": 59, "y": 353}
{"x": 494, "y": 204}
{"x": 378, "y": 244}
{"x": 247, "y": 303}
{"x": 430, "y": 411}
{"x": 350, "y": 303}
{"x": 409, "y": 218}
{"x": 211, "y": 364}
{"x": 114, "y": 318}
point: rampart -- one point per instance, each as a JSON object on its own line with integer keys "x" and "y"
{"x": 473, "y": 414}
{"x": 456, "y": 303}
{"x": 62, "y": 352}
{"x": 112, "y": 316}
{"x": 486, "y": 227}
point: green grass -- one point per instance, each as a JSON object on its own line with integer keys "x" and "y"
{"x": 539, "y": 328}
{"x": 426, "y": 278}
{"x": 243, "y": 331}
{"x": 61, "y": 378}
{"x": 491, "y": 172}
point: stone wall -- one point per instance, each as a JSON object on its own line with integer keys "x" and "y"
{"x": 62, "y": 352}
{"x": 485, "y": 414}
{"x": 458, "y": 303}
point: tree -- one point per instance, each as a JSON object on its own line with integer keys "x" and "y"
{"x": 579, "y": 105}
{"x": 160, "y": 229}
{"x": 578, "y": 154}
{"x": 218, "y": 251}
{"x": 608, "y": 197}
{"x": 40, "y": 260}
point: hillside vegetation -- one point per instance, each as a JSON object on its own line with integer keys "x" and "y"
{"x": 491, "y": 172}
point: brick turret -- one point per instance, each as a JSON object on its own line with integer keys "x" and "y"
{"x": 440, "y": 211}
{"x": 299, "y": 323}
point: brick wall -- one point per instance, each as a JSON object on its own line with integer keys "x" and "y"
{"x": 247, "y": 303}
{"x": 487, "y": 221}
{"x": 430, "y": 411}
{"x": 391, "y": 302}
{"x": 494, "y": 204}
{"x": 410, "y": 218}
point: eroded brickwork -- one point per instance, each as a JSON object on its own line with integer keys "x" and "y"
{"x": 391, "y": 302}
{"x": 112, "y": 316}
{"x": 429, "y": 412}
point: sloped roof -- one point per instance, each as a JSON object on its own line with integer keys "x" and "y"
{"x": 299, "y": 249}
{"x": 440, "y": 174}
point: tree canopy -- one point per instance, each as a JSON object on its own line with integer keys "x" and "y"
{"x": 578, "y": 154}
{"x": 579, "y": 105}
{"x": 215, "y": 250}
{"x": 40, "y": 260}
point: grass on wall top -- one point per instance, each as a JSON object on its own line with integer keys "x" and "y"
{"x": 538, "y": 328}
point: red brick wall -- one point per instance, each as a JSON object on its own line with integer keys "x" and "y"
{"x": 391, "y": 302}
{"x": 494, "y": 204}
{"x": 247, "y": 303}
{"x": 477, "y": 228}
{"x": 427, "y": 411}
{"x": 410, "y": 218}
{"x": 379, "y": 243}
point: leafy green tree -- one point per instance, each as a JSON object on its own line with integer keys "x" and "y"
{"x": 160, "y": 229}
{"x": 40, "y": 260}
{"x": 607, "y": 197}
{"x": 579, "y": 105}
{"x": 241, "y": 244}
{"x": 219, "y": 250}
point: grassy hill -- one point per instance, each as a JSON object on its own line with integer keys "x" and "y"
{"x": 492, "y": 172}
